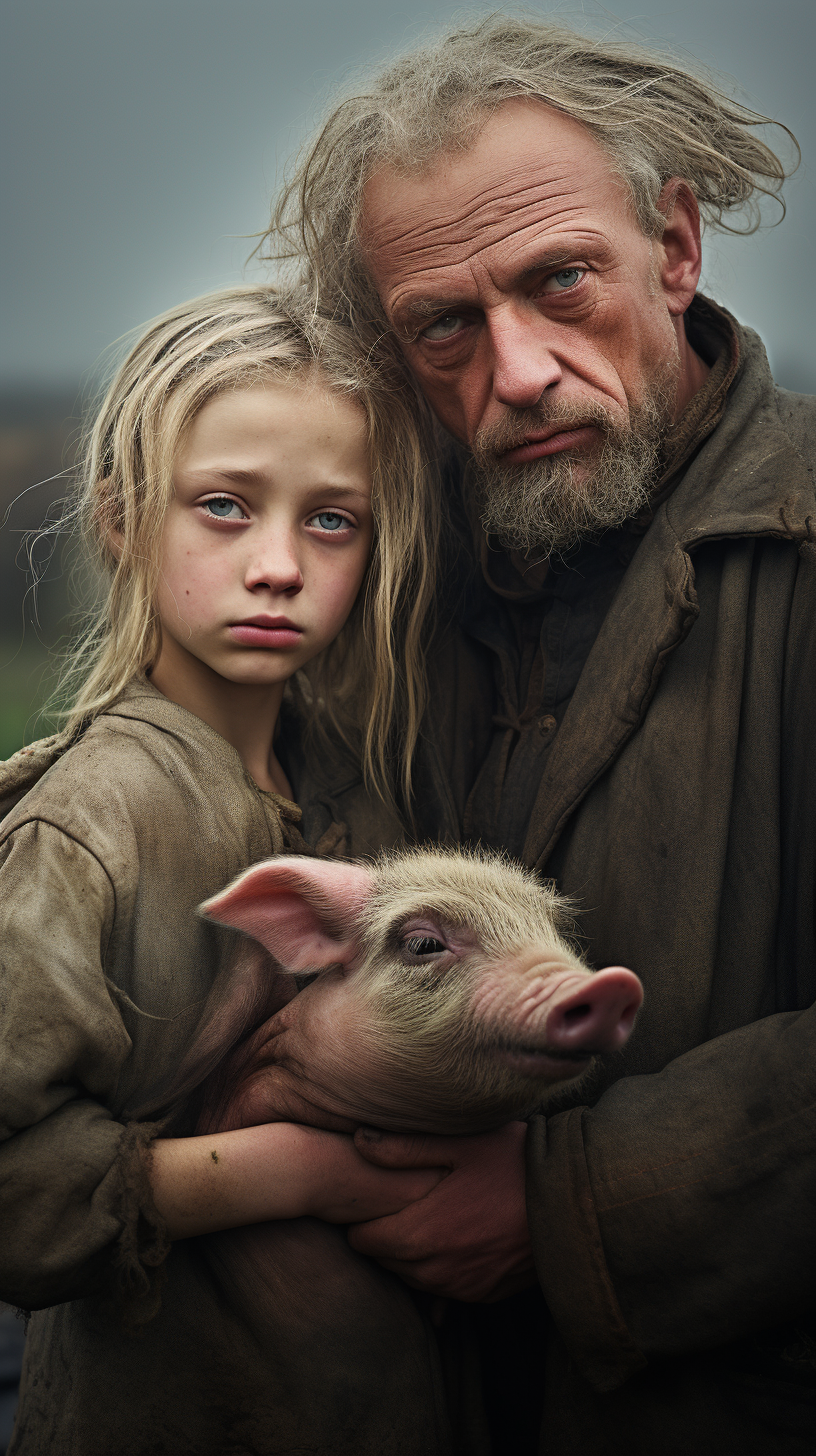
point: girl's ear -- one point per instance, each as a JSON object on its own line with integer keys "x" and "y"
{"x": 113, "y": 539}
{"x": 304, "y": 911}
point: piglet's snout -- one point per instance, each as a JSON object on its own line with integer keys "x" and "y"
{"x": 595, "y": 1016}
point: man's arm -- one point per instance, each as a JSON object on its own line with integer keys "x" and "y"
{"x": 676, "y": 1214}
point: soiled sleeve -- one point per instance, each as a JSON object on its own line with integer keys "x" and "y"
{"x": 678, "y": 1213}
{"x": 72, "y": 1181}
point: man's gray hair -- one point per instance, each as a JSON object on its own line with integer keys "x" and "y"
{"x": 654, "y": 119}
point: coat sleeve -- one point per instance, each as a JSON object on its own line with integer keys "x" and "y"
{"x": 678, "y": 1212}
{"x": 73, "y": 1184}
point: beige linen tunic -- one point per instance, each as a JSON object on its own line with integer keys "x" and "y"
{"x": 104, "y": 968}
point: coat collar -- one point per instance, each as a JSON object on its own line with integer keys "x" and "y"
{"x": 143, "y": 703}
{"x": 748, "y": 479}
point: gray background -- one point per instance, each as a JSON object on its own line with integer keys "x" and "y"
{"x": 142, "y": 141}
{"x": 143, "y": 138}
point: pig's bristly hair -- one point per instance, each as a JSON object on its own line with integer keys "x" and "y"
{"x": 415, "y": 1052}
{"x": 439, "y": 1068}
{"x": 467, "y": 887}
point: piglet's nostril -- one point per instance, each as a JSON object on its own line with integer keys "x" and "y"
{"x": 597, "y": 1016}
{"x": 574, "y": 1015}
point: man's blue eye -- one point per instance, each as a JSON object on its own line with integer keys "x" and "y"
{"x": 445, "y": 327}
{"x": 330, "y": 521}
{"x": 222, "y": 507}
{"x": 567, "y": 277}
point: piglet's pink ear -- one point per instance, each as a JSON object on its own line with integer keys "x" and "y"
{"x": 304, "y": 911}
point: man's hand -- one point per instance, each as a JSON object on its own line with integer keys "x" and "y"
{"x": 466, "y": 1239}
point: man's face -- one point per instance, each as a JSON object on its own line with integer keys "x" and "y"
{"x": 536, "y": 316}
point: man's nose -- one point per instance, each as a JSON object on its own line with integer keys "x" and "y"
{"x": 275, "y": 565}
{"x": 524, "y": 366}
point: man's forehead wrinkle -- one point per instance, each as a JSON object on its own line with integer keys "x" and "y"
{"x": 432, "y": 247}
{"x": 500, "y": 205}
{"x": 429, "y": 283}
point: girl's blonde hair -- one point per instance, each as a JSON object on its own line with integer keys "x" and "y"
{"x": 368, "y": 686}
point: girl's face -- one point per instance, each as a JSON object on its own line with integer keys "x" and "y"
{"x": 267, "y": 540}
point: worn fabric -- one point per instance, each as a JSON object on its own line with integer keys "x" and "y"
{"x": 540, "y": 619}
{"x": 104, "y": 971}
{"x": 672, "y": 1212}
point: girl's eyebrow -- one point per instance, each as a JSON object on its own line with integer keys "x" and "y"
{"x": 236, "y": 473}
{"x": 240, "y": 476}
{"x": 344, "y": 490}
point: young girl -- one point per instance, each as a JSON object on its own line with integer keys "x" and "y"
{"x": 260, "y": 509}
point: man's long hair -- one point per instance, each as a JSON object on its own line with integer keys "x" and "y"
{"x": 654, "y": 119}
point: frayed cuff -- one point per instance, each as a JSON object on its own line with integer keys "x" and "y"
{"x": 143, "y": 1244}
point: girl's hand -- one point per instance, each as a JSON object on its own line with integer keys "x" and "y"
{"x": 346, "y": 1188}
{"x": 279, "y": 1170}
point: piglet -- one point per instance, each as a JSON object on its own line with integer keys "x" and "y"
{"x": 437, "y": 993}
{"x": 428, "y": 990}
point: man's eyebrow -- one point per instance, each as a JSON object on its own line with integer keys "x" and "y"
{"x": 417, "y": 309}
{"x": 410, "y": 314}
{"x": 422, "y": 308}
{"x": 552, "y": 259}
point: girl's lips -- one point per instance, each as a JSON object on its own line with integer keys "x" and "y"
{"x": 251, "y": 635}
{"x": 565, "y": 439}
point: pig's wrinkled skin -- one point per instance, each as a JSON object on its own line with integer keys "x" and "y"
{"x": 445, "y": 998}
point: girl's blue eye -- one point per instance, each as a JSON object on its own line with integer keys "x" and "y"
{"x": 222, "y": 507}
{"x": 330, "y": 521}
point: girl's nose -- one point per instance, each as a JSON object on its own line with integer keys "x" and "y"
{"x": 277, "y": 571}
{"x": 276, "y": 568}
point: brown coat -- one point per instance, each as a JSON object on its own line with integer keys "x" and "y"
{"x": 104, "y": 968}
{"x": 674, "y": 1218}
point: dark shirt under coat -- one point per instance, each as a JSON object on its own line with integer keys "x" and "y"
{"x": 672, "y": 1212}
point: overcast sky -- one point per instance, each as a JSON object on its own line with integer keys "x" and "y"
{"x": 142, "y": 138}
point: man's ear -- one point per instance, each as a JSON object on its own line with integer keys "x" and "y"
{"x": 679, "y": 250}
{"x": 304, "y": 911}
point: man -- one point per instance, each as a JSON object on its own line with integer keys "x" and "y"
{"x": 623, "y": 696}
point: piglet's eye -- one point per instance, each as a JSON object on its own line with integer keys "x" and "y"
{"x": 423, "y": 945}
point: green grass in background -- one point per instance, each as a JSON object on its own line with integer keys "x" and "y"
{"x": 27, "y": 678}
{"x": 38, "y": 434}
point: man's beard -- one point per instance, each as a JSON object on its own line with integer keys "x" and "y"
{"x": 552, "y": 503}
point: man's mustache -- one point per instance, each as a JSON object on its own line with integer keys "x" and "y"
{"x": 517, "y": 425}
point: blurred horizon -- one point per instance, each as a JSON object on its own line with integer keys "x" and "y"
{"x": 145, "y": 139}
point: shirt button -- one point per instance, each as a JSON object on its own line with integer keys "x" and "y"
{"x": 546, "y": 725}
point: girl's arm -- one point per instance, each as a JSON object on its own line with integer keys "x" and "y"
{"x": 280, "y": 1170}
{"x": 71, "y": 1176}
{"x": 69, "y": 1172}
